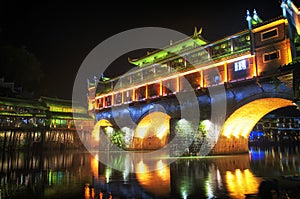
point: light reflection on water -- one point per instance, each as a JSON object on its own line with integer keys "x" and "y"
{"x": 77, "y": 174}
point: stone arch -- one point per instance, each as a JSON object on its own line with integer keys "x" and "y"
{"x": 100, "y": 124}
{"x": 236, "y": 129}
{"x": 152, "y": 131}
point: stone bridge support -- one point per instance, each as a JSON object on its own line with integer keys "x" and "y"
{"x": 236, "y": 129}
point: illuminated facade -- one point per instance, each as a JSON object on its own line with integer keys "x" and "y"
{"x": 46, "y": 122}
{"x": 251, "y": 54}
{"x": 273, "y": 129}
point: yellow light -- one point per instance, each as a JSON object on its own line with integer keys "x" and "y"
{"x": 86, "y": 191}
{"x": 269, "y": 25}
{"x": 162, "y": 175}
{"x": 154, "y": 124}
{"x": 177, "y": 84}
{"x": 255, "y": 70}
{"x": 225, "y": 72}
{"x": 174, "y": 76}
{"x": 94, "y": 165}
{"x": 108, "y": 173}
{"x": 163, "y": 130}
{"x": 160, "y": 88}
{"x": 147, "y": 91}
{"x": 241, "y": 182}
{"x": 160, "y": 165}
{"x": 142, "y": 168}
{"x": 98, "y": 125}
{"x": 141, "y": 132}
{"x": 241, "y": 122}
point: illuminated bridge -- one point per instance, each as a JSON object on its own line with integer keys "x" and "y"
{"x": 245, "y": 76}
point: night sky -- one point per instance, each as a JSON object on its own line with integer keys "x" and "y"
{"x": 62, "y": 33}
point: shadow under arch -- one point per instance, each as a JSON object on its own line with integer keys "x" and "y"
{"x": 151, "y": 132}
{"x": 235, "y": 132}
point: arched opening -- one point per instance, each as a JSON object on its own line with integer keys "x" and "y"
{"x": 236, "y": 129}
{"x": 101, "y": 124}
{"x": 152, "y": 132}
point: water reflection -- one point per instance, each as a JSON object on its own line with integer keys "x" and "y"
{"x": 43, "y": 175}
{"x": 78, "y": 174}
{"x": 156, "y": 182}
{"x": 241, "y": 182}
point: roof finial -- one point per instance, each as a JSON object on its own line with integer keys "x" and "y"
{"x": 256, "y": 18}
{"x": 283, "y": 6}
{"x": 196, "y": 32}
{"x": 249, "y": 19}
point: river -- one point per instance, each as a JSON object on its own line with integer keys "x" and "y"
{"x": 79, "y": 174}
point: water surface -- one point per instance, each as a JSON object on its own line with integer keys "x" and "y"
{"x": 79, "y": 174}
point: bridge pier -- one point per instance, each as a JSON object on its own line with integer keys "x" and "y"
{"x": 183, "y": 137}
{"x": 230, "y": 145}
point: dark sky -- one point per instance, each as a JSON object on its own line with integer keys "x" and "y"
{"x": 62, "y": 33}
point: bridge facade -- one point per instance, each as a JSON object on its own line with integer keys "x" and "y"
{"x": 253, "y": 72}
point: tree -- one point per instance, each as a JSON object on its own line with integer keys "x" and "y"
{"x": 118, "y": 139}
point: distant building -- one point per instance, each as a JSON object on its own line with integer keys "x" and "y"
{"x": 276, "y": 129}
{"x": 50, "y": 122}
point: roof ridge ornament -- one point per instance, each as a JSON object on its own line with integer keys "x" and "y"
{"x": 253, "y": 20}
{"x": 249, "y": 19}
{"x": 196, "y": 33}
{"x": 256, "y": 18}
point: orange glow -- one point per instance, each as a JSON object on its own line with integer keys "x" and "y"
{"x": 161, "y": 176}
{"x": 197, "y": 69}
{"x": 147, "y": 91}
{"x": 94, "y": 165}
{"x": 154, "y": 124}
{"x": 225, "y": 72}
{"x": 160, "y": 88}
{"x": 242, "y": 121}
{"x": 241, "y": 182}
{"x": 177, "y": 84}
{"x": 162, "y": 170}
{"x": 86, "y": 191}
{"x": 255, "y": 70}
{"x": 201, "y": 79}
{"x": 133, "y": 94}
{"x": 290, "y": 59}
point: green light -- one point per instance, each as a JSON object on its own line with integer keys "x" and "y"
{"x": 50, "y": 177}
{"x": 12, "y": 113}
{"x": 108, "y": 173}
{"x": 207, "y": 187}
{"x": 170, "y": 51}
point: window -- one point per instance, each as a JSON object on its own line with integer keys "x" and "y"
{"x": 217, "y": 79}
{"x": 240, "y": 65}
{"x": 118, "y": 98}
{"x": 269, "y": 34}
{"x": 270, "y": 56}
